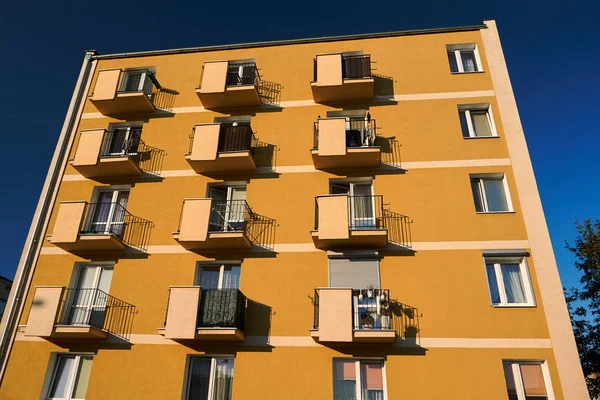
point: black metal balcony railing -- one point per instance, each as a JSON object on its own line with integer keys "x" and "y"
{"x": 367, "y": 213}
{"x": 139, "y": 80}
{"x": 360, "y": 132}
{"x": 373, "y": 309}
{"x": 353, "y": 67}
{"x": 223, "y": 308}
{"x": 119, "y": 142}
{"x": 114, "y": 219}
{"x": 94, "y": 307}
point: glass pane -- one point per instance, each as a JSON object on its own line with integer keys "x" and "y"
{"x": 476, "y": 195}
{"x": 372, "y": 381}
{"x": 533, "y": 380}
{"x": 468, "y": 60}
{"x": 494, "y": 194}
{"x": 83, "y": 376}
{"x": 132, "y": 81}
{"x": 209, "y": 277}
{"x": 105, "y": 279}
{"x": 513, "y": 283}
{"x": 87, "y": 278}
{"x": 463, "y": 123}
{"x": 481, "y": 123}
{"x": 510, "y": 382}
{"x": 117, "y": 141}
{"x": 199, "y": 378}
{"x": 452, "y": 60}
{"x": 61, "y": 375}
{"x": 493, "y": 283}
{"x": 223, "y": 379}
{"x": 231, "y": 277}
{"x": 345, "y": 380}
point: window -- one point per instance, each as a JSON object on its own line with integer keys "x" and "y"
{"x": 361, "y": 202}
{"x": 86, "y": 303}
{"x": 476, "y": 121}
{"x": 121, "y": 140}
{"x": 527, "y": 381}
{"x": 210, "y": 378}
{"x": 106, "y": 214}
{"x": 490, "y": 194}
{"x": 138, "y": 80}
{"x": 241, "y": 73}
{"x": 359, "y": 380}
{"x": 508, "y": 281}
{"x": 219, "y": 276}
{"x": 70, "y": 377}
{"x": 463, "y": 58}
{"x": 228, "y": 210}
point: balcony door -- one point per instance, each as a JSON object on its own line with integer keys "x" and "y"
{"x": 87, "y": 302}
{"x": 121, "y": 141}
{"x": 228, "y": 208}
{"x": 240, "y": 74}
{"x": 220, "y": 297}
{"x": 360, "y": 201}
{"x": 107, "y": 213}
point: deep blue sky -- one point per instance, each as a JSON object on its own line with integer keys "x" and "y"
{"x": 552, "y": 50}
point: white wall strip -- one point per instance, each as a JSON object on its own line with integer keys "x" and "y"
{"x": 307, "y": 341}
{"x": 308, "y": 103}
{"x": 310, "y": 248}
{"x": 295, "y": 169}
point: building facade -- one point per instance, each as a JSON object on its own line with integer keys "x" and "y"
{"x": 336, "y": 218}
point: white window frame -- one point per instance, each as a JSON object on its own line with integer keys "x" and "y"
{"x": 221, "y": 265}
{"x": 467, "y": 108}
{"x": 519, "y": 379}
{"x": 357, "y": 364}
{"x": 70, "y": 384}
{"x": 525, "y": 278}
{"x": 482, "y": 194}
{"x": 456, "y": 49}
{"x": 211, "y": 379}
{"x": 111, "y": 128}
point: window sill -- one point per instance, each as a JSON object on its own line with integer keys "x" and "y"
{"x": 470, "y": 72}
{"x": 514, "y": 306}
{"x": 481, "y": 137}
{"x": 495, "y": 212}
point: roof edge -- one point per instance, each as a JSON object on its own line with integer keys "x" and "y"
{"x": 288, "y": 42}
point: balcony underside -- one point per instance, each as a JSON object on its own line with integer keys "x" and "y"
{"x": 365, "y": 336}
{"x": 356, "y": 238}
{"x": 355, "y": 157}
{"x": 125, "y": 103}
{"x": 213, "y": 335}
{"x": 232, "y": 97}
{"x": 78, "y": 332}
{"x": 350, "y": 89}
{"x": 110, "y": 167}
{"x": 217, "y": 241}
{"x": 240, "y": 161}
{"x": 93, "y": 242}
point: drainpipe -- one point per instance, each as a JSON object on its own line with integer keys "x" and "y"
{"x": 35, "y": 238}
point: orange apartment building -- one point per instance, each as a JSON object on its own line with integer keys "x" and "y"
{"x": 335, "y": 218}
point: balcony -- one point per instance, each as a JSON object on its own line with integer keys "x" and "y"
{"x": 222, "y": 148}
{"x": 194, "y": 313}
{"x": 119, "y": 92}
{"x": 344, "y": 142}
{"x": 228, "y": 84}
{"x": 343, "y": 221}
{"x": 208, "y": 224}
{"x": 98, "y": 227}
{"x": 115, "y": 153}
{"x": 339, "y": 78}
{"x": 76, "y": 313}
{"x": 344, "y": 315}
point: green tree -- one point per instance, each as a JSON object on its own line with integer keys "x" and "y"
{"x": 584, "y": 302}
